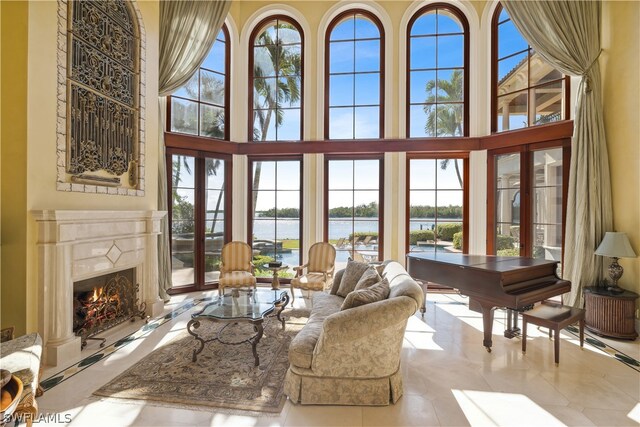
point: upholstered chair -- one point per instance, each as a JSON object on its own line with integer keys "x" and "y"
{"x": 236, "y": 268}
{"x": 319, "y": 275}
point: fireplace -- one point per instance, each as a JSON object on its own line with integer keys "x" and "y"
{"x": 103, "y": 302}
{"x": 76, "y": 246}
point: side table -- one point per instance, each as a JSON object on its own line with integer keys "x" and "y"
{"x": 610, "y": 314}
{"x": 275, "y": 282}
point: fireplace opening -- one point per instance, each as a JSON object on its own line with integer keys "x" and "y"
{"x": 103, "y": 302}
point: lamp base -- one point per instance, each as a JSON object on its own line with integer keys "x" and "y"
{"x": 615, "y": 272}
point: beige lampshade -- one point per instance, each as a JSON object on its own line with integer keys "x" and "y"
{"x": 615, "y": 244}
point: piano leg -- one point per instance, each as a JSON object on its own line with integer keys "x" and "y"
{"x": 487, "y": 325}
{"x": 512, "y": 324}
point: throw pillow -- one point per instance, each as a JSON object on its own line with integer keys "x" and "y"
{"x": 378, "y": 292}
{"x": 368, "y": 278}
{"x": 380, "y": 268}
{"x": 351, "y": 275}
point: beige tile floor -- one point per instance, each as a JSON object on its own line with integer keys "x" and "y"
{"x": 449, "y": 380}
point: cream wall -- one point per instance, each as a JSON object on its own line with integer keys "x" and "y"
{"x": 13, "y": 159}
{"x": 37, "y": 169}
{"x": 621, "y": 90}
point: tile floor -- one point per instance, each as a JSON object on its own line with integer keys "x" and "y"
{"x": 449, "y": 380}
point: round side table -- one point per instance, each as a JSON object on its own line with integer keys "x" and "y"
{"x": 275, "y": 282}
{"x": 610, "y": 314}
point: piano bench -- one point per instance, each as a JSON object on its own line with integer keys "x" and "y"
{"x": 555, "y": 317}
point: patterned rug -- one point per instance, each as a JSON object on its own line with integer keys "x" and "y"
{"x": 223, "y": 376}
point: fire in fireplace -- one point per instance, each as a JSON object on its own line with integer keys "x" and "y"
{"x": 103, "y": 302}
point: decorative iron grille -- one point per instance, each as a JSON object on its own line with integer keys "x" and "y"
{"x": 103, "y": 78}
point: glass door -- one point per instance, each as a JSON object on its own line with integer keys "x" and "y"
{"x": 200, "y": 225}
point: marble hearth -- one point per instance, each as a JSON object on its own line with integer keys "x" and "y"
{"x": 75, "y": 245}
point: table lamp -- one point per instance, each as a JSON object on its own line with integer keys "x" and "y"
{"x": 615, "y": 245}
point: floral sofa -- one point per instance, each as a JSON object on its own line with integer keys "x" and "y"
{"x": 352, "y": 356}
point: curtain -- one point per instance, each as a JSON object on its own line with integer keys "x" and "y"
{"x": 188, "y": 29}
{"x": 187, "y": 32}
{"x": 567, "y": 35}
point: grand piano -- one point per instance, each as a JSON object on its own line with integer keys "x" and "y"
{"x": 491, "y": 282}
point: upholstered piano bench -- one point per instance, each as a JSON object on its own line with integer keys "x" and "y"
{"x": 555, "y": 317}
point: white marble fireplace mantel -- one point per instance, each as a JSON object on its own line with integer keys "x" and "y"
{"x": 75, "y": 245}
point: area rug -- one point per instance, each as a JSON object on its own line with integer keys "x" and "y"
{"x": 224, "y": 376}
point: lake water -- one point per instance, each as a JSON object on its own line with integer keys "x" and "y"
{"x": 290, "y": 228}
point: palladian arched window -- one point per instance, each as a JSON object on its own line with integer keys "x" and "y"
{"x": 276, "y": 80}
{"x": 354, "y": 76}
{"x": 437, "y": 73}
{"x": 526, "y": 91}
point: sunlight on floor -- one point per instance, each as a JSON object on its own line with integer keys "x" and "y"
{"x": 234, "y": 420}
{"x": 634, "y": 414}
{"x": 420, "y": 340}
{"x": 502, "y": 409}
{"x": 419, "y": 335}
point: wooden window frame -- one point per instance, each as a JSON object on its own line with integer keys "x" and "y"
{"x": 526, "y": 152}
{"x": 199, "y": 219}
{"x": 254, "y": 33}
{"x": 495, "y": 21}
{"x": 250, "y": 161}
{"x": 380, "y": 158}
{"x": 327, "y": 63}
{"x": 465, "y": 27}
{"x": 465, "y": 193}
{"x": 227, "y": 86}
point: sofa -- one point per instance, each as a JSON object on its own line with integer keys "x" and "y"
{"x": 352, "y": 356}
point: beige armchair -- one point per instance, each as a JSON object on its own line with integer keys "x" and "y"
{"x": 322, "y": 259}
{"x": 236, "y": 268}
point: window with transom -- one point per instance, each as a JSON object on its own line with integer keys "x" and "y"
{"x": 276, "y": 81}
{"x": 437, "y": 75}
{"x": 355, "y": 77}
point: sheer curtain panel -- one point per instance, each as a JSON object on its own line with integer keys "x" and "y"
{"x": 567, "y": 35}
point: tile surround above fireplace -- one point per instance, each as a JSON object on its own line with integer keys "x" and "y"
{"x": 74, "y": 245}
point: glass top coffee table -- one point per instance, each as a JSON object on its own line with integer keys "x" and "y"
{"x": 251, "y": 306}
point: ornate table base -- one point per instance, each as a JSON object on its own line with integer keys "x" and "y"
{"x": 194, "y": 324}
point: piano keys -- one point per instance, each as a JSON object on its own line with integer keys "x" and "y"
{"x": 490, "y": 281}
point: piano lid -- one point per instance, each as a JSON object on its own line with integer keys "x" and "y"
{"x": 481, "y": 262}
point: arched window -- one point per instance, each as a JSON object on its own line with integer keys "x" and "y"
{"x": 276, "y": 80}
{"x": 354, "y": 76}
{"x": 437, "y": 73}
{"x": 526, "y": 90}
{"x": 201, "y": 107}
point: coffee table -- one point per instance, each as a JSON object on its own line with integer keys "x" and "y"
{"x": 241, "y": 305}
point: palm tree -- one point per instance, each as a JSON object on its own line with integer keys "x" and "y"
{"x": 445, "y": 119}
{"x": 444, "y": 164}
{"x": 212, "y": 166}
{"x": 277, "y": 60}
